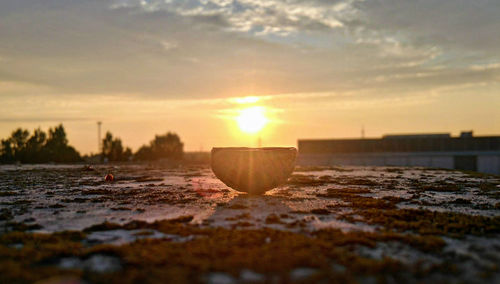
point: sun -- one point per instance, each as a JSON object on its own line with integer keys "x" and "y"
{"x": 252, "y": 119}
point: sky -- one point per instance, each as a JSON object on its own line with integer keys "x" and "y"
{"x": 316, "y": 68}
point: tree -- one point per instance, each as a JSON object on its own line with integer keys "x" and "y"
{"x": 14, "y": 148}
{"x": 112, "y": 149}
{"x": 57, "y": 148}
{"x": 144, "y": 154}
{"x": 57, "y": 137}
{"x": 18, "y": 139}
{"x": 37, "y": 148}
{"x": 167, "y": 146}
{"x": 7, "y": 151}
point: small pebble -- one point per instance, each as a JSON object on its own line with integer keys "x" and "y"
{"x": 109, "y": 178}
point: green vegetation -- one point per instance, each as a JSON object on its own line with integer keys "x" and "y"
{"x": 38, "y": 148}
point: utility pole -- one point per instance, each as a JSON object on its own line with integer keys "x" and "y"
{"x": 99, "y": 148}
{"x": 259, "y": 142}
{"x": 362, "y": 132}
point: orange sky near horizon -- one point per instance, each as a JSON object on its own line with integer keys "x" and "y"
{"x": 214, "y": 123}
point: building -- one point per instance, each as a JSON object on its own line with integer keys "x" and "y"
{"x": 466, "y": 152}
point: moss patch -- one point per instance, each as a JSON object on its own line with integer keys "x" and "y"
{"x": 425, "y": 222}
{"x": 353, "y": 199}
{"x": 265, "y": 251}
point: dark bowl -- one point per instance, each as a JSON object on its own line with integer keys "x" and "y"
{"x": 253, "y": 170}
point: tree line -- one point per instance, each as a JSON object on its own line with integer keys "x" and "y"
{"x": 167, "y": 146}
{"x": 42, "y": 147}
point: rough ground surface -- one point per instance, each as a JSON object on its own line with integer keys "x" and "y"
{"x": 157, "y": 225}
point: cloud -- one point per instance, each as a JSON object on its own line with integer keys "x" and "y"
{"x": 18, "y": 88}
{"x": 252, "y": 16}
{"x": 169, "y": 45}
{"x": 207, "y": 48}
{"x": 460, "y": 24}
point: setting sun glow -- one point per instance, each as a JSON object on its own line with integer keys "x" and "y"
{"x": 252, "y": 119}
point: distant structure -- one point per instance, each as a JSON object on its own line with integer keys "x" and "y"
{"x": 99, "y": 141}
{"x": 436, "y": 150}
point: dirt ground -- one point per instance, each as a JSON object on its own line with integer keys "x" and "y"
{"x": 153, "y": 224}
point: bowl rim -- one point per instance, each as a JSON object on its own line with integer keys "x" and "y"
{"x": 252, "y": 149}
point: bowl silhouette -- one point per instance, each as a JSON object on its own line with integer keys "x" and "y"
{"x": 253, "y": 170}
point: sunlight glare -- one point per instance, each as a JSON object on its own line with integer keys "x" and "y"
{"x": 252, "y": 119}
{"x": 246, "y": 100}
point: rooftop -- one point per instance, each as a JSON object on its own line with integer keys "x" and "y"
{"x": 346, "y": 224}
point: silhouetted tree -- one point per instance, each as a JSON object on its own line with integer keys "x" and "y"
{"x": 35, "y": 147}
{"x": 127, "y": 154}
{"x": 57, "y": 148}
{"x": 19, "y": 138}
{"x": 144, "y": 153}
{"x": 38, "y": 148}
{"x": 163, "y": 146}
{"x": 7, "y": 151}
{"x": 14, "y": 147}
{"x": 112, "y": 149}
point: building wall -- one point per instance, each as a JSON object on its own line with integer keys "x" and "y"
{"x": 444, "y": 162}
{"x": 486, "y": 162}
{"x": 408, "y": 144}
